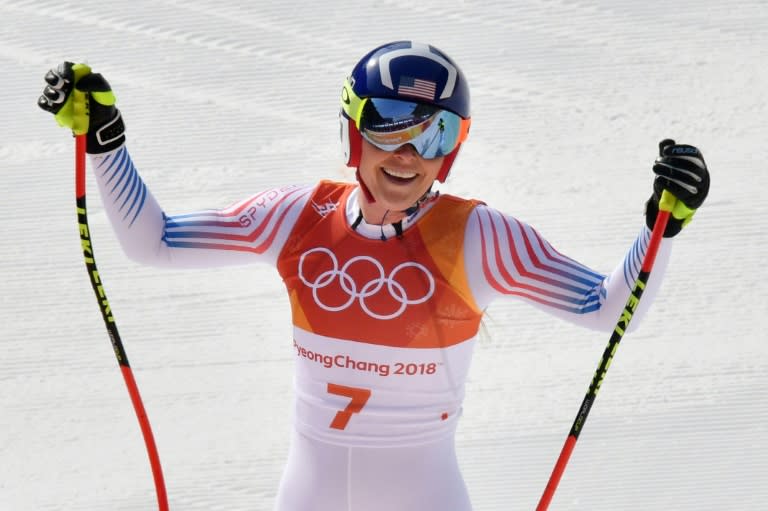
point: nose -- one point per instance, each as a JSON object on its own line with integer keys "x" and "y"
{"x": 406, "y": 151}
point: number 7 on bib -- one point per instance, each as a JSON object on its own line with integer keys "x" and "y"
{"x": 358, "y": 398}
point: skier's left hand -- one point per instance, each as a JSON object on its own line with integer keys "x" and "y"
{"x": 680, "y": 170}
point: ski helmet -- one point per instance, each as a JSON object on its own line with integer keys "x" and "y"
{"x": 411, "y": 93}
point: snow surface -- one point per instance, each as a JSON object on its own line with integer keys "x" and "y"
{"x": 226, "y": 98}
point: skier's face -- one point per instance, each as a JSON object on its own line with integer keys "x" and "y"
{"x": 396, "y": 179}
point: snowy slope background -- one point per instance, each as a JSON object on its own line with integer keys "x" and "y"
{"x": 226, "y": 98}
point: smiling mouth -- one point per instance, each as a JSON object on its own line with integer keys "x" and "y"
{"x": 399, "y": 176}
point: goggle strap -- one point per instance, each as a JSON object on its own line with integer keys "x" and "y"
{"x": 464, "y": 129}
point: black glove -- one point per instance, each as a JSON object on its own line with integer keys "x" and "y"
{"x": 680, "y": 170}
{"x": 84, "y": 102}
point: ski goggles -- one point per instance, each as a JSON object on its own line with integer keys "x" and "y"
{"x": 392, "y": 123}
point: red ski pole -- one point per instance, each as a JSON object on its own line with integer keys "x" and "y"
{"x": 666, "y": 203}
{"x": 109, "y": 322}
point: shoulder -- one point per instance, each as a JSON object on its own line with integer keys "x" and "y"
{"x": 455, "y": 199}
{"x": 485, "y": 213}
{"x": 330, "y": 188}
{"x": 489, "y": 223}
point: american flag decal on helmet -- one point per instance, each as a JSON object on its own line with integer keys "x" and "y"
{"x": 416, "y": 87}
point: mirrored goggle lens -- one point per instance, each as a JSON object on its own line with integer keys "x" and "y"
{"x": 390, "y": 123}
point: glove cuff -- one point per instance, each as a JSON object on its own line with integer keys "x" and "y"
{"x": 108, "y": 136}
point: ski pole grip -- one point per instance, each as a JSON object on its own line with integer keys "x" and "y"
{"x": 667, "y": 201}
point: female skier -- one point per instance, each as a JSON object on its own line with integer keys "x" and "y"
{"x": 387, "y": 278}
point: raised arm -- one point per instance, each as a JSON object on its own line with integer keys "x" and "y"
{"x": 252, "y": 230}
{"x": 506, "y": 257}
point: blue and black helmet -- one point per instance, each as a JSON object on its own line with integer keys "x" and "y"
{"x": 422, "y": 81}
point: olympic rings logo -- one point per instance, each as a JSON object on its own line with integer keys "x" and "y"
{"x": 355, "y": 291}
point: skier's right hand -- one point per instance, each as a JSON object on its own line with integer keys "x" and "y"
{"x": 83, "y": 102}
